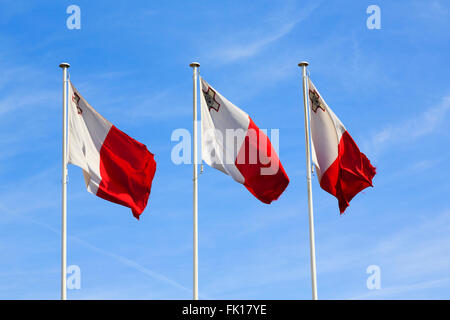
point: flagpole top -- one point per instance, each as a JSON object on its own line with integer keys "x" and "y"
{"x": 303, "y": 64}
{"x": 64, "y": 65}
{"x": 194, "y": 65}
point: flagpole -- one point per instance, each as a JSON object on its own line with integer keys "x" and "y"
{"x": 303, "y": 65}
{"x": 195, "y": 66}
{"x": 64, "y": 66}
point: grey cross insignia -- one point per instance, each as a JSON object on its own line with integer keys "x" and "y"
{"x": 315, "y": 101}
{"x": 76, "y": 99}
{"x": 210, "y": 97}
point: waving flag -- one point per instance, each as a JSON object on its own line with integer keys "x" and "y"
{"x": 116, "y": 167}
{"x": 233, "y": 144}
{"x": 342, "y": 169}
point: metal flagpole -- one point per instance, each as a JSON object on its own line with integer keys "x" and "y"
{"x": 64, "y": 66}
{"x": 303, "y": 65}
{"x": 195, "y": 66}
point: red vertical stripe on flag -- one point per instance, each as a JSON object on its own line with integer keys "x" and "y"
{"x": 127, "y": 169}
{"x": 264, "y": 187}
{"x": 350, "y": 173}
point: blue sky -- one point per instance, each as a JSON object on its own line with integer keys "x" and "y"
{"x": 390, "y": 88}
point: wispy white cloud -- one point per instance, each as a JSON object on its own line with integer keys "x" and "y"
{"x": 31, "y": 189}
{"x": 121, "y": 259}
{"x": 413, "y": 128}
{"x": 157, "y": 105}
{"x": 133, "y": 264}
{"x": 435, "y": 10}
{"x": 248, "y": 43}
{"x": 412, "y": 259}
{"x": 11, "y": 9}
{"x": 413, "y": 247}
{"x": 235, "y": 52}
{"x": 20, "y": 100}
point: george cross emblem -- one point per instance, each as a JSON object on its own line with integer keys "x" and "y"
{"x": 315, "y": 101}
{"x": 76, "y": 99}
{"x": 210, "y": 97}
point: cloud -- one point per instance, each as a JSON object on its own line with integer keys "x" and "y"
{"x": 240, "y": 51}
{"x": 435, "y": 10}
{"x": 121, "y": 259}
{"x": 10, "y": 9}
{"x": 233, "y": 50}
{"x": 152, "y": 107}
{"x": 413, "y": 128}
{"x": 416, "y": 245}
{"x": 20, "y": 100}
{"x": 162, "y": 103}
{"x": 27, "y": 189}
{"x": 133, "y": 264}
{"x": 413, "y": 259}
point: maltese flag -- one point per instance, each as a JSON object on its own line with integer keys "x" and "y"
{"x": 233, "y": 144}
{"x": 342, "y": 169}
{"x": 116, "y": 167}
